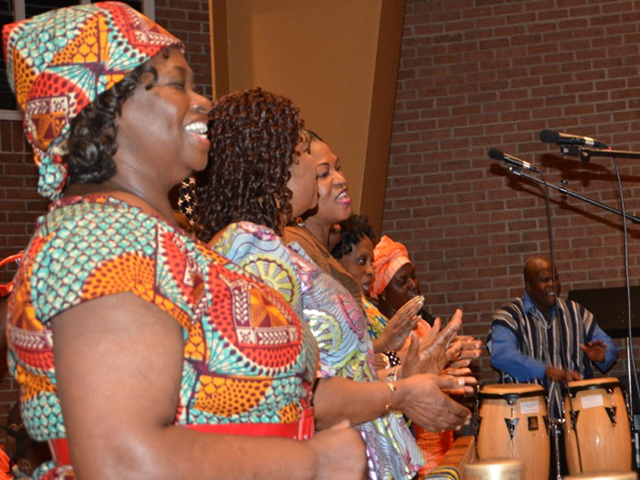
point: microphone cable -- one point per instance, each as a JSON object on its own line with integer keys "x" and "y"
{"x": 631, "y": 361}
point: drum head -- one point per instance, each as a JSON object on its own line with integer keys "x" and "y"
{"x": 511, "y": 388}
{"x": 608, "y": 381}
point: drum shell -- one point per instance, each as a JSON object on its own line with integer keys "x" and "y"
{"x": 603, "y": 446}
{"x": 530, "y": 442}
{"x": 604, "y": 476}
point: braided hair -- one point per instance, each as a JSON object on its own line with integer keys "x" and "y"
{"x": 253, "y": 136}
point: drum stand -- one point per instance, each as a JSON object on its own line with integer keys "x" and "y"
{"x": 557, "y": 425}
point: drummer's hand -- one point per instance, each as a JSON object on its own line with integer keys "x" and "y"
{"x": 559, "y": 375}
{"x": 594, "y": 350}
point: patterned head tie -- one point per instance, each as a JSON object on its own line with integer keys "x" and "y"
{"x": 388, "y": 258}
{"x": 60, "y": 61}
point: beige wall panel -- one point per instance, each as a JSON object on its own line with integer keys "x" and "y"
{"x": 321, "y": 54}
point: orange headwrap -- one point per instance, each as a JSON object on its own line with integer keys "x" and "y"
{"x": 388, "y": 257}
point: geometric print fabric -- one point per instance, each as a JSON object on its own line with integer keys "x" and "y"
{"x": 234, "y": 370}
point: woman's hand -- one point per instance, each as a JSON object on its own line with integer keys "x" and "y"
{"x": 432, "y": 352}
{"x": 465, "y": 378}
{"x": 400, "y": 326}
{"x": 423, "y": 400}
{"x": 470, "y": 348}
{"x": 340, "y": 453}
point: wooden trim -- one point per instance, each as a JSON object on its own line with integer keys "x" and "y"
{"x": 382, "y": 107}
{"x": 461, "y": 453}
{"x": 219, "y": 47}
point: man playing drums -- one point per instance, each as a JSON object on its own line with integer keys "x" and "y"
{"x": 530, "y": 342}
{"x": 542, "y": 339}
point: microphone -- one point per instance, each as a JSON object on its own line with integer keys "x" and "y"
{"x": 549, "y": 136}
{"x": 516, "y": 162}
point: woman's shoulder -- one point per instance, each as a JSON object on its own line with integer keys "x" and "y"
{"x": 106, "y": 224}
{"x": 238, "y": 240}
{"x": 87, "y": 247}
{"x": 261, "y": 252}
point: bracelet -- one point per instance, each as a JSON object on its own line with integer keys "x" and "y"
{"x": 387, "y": 406}
{"x": 392, "y": 376}
{"x": 393, "y": 358}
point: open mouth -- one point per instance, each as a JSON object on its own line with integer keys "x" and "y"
{"x": 344, "y": 198}
{"x": 198, "y": 130}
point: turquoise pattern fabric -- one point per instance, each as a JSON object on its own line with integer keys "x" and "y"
{"x": 247, "y": 357}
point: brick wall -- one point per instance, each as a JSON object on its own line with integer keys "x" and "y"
{"x": 20, "y": 205}
{"x": 473, "y": 75}
{"x": 494, "y": 73}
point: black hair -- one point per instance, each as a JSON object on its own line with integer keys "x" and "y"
{"x": 352, "y": 230}
{"x": 92, "y": 139}
{"x": 253, "y": 136}
{"x": 312, "y": 136}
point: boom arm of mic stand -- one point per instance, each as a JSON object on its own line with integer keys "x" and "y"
{"x": 520, "y": 173}
{"x": 585, "y": 153}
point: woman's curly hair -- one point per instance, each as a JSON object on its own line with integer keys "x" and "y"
{"x": 352, "y": 230}
{"x": 253, "y": 138}
{"x": 92, "y": 140}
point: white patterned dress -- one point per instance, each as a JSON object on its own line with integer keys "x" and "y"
{"x": 339, "y": 326}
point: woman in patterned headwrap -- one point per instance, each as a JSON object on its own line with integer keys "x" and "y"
{"x": 261, "y": 175}
{"x": 141, "y": 353}
{"x": 394, "y": 284}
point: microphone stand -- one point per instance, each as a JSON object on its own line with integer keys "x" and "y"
{"x": 585, "y": 154}
{"x": 520, "y": 173}
{"x": 554, "y": 403}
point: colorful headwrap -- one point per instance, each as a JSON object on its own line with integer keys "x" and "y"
{"x": 388, "y": 257}
{"x": 60, "y": 61}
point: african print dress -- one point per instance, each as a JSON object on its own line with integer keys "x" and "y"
{"x": 339, "y": 327}
{"x": 247, "y": 357}
{"x": 376, "y": 321}
{"x": 433, "y": 445}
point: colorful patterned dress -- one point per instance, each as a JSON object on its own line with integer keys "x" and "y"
{"x": 376, "y": 321}
{"x": 247, "y": 358}
{"x": 433, "y": 445}
{"x": 338, "y": 325}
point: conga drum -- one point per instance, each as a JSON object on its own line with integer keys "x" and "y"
{"x": 596, "y": 420}
{"x": 512, "y": 423}
{"x": 604, "y": 476}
